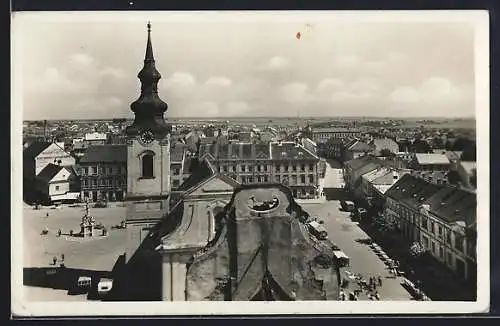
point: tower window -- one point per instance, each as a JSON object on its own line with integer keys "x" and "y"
{"x": 147, "y": 166}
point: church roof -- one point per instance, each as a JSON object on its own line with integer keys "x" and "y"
{"x": 261, "y": 269}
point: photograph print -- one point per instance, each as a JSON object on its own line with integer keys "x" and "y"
{"x": 169, "y": 162}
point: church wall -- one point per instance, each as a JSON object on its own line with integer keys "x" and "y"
{"x": 160, "y": 184}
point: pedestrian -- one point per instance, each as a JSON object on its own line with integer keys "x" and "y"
{"x": 379, "y": 280}
{"x": 47, "y": 214}
{"x": 54, "y": 260}
{"x": 62, "y": 257}
{"x": 59, "y": 232}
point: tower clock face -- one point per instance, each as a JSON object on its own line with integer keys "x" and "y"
{"x": 146, "y": 137}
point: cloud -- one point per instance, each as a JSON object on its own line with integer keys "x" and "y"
{"x": 346, "y": 62}
{"x": 438, "y": 89}
{"x": 405, "y": 94}
{"x": 276, "y": 63}
{"x": 112, "y": 73}
{"x": 432, "y": 90}
{"x": 179, "y": 79}
{"x": 237, "y": 108}
{"x": 81, "y": 60}
{"x": 295, "y": 92}
{"x": 219, "y": 81}
{"x": 329, "y": 84}
{"x": 203, "y": 108}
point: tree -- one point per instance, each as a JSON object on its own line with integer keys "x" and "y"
{"x": 473, "y": 178}
{"x": 385, "y": 152}
{"x": 416, "y": 249}
{"x": 469, "y": 153}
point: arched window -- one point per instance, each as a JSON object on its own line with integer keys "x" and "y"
{"x": 147, "y": 166}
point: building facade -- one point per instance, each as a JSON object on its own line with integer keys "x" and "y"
{"x": 441, "y": 218}
{"x": 323, "y": 134}
{"x": 288, "y": 163}
{"x": 103, "y": 173}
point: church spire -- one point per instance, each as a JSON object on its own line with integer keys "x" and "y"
{"x": 149, "y": 47}
{"x": 148, "y": 108}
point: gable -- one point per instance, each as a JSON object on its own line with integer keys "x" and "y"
{"x": 62, "y": 175}
{"x": 213, "y": 185}
{"x": 52, "y": 150}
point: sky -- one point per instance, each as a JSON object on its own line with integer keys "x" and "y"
{"x": 237, "y": 65}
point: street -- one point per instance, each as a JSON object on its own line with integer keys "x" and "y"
{"x": 349, "y": 237}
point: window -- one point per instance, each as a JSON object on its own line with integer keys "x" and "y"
{"x": 265, "y": 168}
{"x": 147, "y": 166}
{"x": 441, "y": 252}
{"x": 448, "y": 237}
{"x": 176, "y": 183}
{"x": 425, "y": 241}
{"x": 57, "y": 187}
{"x": 424, "y": 222}
{"x": 440, "y": 230}
{"x": 266, "y": 178}
{"x": 311, "y": 167}
{"x": 233, "y": 168}
{"x": 94, "y": 182}
{"x": 294, "y": 168}
{"x": 243, "y": 168}
{"x": 433, "y": 247}
{"x": 277, "y": 167}
{"x": 278, "y": 179}
{"x": 302, "y": 167}
{"x": 110, "y": 170}
{"x": 85, "y": 171}
{"x": 294, "y": 179}
{"x": 250, "y": 179}
{"x": 311, "y": 178}
{"x": 258, "y": 168}
{"x": 459, "y": 242}
{"x": 250, "y": 168}
{"x": 224, "y": 168}
{"x": 302, "y": 179}
{"x": 449, "y": 259}
{"x": 432, "y": 227}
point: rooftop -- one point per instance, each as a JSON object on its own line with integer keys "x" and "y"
{"x": 105, "y": 154}
{"x": 290, "y": 151}
{"x": 35, "y": 148}
{"x": 49, "y": 172}
{"x": 449, "y": 203}
{"x": 431, "y": 158}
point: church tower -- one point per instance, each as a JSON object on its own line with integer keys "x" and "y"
{"x": 148, "y": 156}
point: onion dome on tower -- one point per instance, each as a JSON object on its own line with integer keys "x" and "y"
{"x": 149, "y": 108}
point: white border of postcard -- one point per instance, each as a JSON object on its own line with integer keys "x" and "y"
{"x": 479, "y": 19}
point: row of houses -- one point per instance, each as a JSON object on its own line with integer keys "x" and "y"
{"x": 345, "y": 149}
{"x": 439, "y": 216}
{"x": 100, "y": 173}
{"x": 286, "y": 162}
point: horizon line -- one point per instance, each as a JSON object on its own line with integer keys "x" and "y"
{"x": 273, "y": 117}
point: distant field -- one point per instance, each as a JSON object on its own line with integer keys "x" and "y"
{"x": 466, "y": 123}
